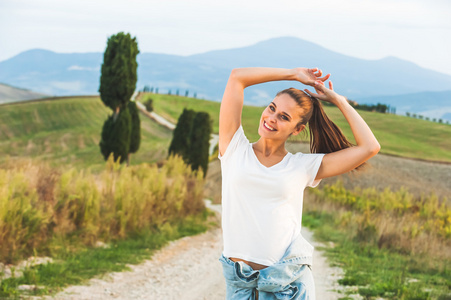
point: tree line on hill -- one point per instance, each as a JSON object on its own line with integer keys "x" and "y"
{"x": 421, "y": 117}
{"x": 379, "y": 107}
{"x": 149, "y": 89}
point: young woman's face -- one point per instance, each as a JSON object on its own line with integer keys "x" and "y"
{"x": 279, "y": 120}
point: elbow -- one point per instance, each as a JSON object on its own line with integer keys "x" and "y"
{"x": 236, "y": 77}
{"x": 234, "y": 73}
{"x": 374, "y": 148}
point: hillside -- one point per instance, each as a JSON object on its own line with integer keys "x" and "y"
{"x": 206, "y": 74}
{"x": 398, "y": 135}
{"x": 67, "y": 131}
{"x": 10, "y": 94}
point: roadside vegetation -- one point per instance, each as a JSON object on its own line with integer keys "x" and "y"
{"x": 65, "y": 214}
{"x": 390, "y": 244}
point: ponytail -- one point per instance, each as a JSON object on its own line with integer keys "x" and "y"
{"x": 325, "y": 136}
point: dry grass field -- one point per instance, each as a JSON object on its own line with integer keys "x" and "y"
{"x": 419, "y": 177}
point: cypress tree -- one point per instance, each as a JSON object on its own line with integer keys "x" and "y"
{"x": 115, "y": 136}
{"x": 118, "y": 74}
{"x": 180, "y": 143}
{"x": 117, "y": 84}
{"x": 135, "y": 134}
{"x": 200, "y": 142}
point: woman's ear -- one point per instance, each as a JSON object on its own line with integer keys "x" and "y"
{"x": 298, "y": 129}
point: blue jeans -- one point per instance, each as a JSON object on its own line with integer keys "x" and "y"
{"x": 290, "y": 278}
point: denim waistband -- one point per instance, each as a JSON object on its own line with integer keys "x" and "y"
{"x": 279, "y": 278}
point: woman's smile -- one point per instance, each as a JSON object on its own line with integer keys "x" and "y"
{"x": 268, "y": 127}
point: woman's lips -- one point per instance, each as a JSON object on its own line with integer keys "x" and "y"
{"x": 267, "y": 127}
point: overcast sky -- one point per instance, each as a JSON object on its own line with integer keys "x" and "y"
{"x": 416, "y": 30}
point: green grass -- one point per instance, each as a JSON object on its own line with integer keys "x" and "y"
{"x": 375, "y": 272}
{"x": 398, "y": 135}
{"x": 67, "y": 131}
{"x": 76, "y": 267}
{"x": 403, "y": 136}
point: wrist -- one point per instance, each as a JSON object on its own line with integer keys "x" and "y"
{"x": 292, "y": 74}
{"x": 341, "y": 101}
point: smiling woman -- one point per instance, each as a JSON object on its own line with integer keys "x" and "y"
{"x": 265, "y": 255}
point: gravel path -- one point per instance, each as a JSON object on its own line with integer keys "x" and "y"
{"x": 187, "y": 269}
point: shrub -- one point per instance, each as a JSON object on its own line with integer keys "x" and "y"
{"x": 149, "y": 104}
{"x": 119, "y": 202}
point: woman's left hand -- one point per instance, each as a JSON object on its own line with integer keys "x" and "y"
{"x": 309, "y": 76}
{"x": 324, "y": 93}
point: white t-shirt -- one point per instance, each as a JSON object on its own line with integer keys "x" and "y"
{"x": 261, "y": 206}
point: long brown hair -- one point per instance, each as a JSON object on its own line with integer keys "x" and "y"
{"x": 325, "y": 136}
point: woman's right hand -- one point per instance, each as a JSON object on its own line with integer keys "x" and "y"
{"x": 309, "y": 76}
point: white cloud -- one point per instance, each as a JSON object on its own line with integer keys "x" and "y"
{"x": 68, "y": 86}
{"x": 80, "y": 68}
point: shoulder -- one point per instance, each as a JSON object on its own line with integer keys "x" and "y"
{"x": 309, "y": 163}
{"x": 308, "y": 160}
{"x": 239, "y": 140}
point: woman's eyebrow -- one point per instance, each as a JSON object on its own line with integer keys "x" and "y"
{"x": 282, "y": 112}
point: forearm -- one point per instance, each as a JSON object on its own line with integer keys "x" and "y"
{"x": 255, "y": 75}
{"x": 363, "y": 135}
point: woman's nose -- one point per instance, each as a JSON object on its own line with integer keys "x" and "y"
{"x": 272, "y": 119}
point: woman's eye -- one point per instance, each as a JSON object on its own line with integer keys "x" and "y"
{"x": 285, "y": 118}
{"x": 272, "y": 108}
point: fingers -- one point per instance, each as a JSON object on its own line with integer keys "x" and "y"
{"x": 311, "y": 94}
{"x": 319, "y": 73}
{"x": 324, "y": 78}
{"x": 319, "y": 85}
{"x": 331, "y": 86}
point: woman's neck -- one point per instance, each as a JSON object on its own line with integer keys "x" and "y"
{"x": 269, "y": 147}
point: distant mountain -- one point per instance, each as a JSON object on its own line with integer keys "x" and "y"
{"x": 207, "y": 73}
{"x": 10, "y": 94}
{"x": 429, "y": 104}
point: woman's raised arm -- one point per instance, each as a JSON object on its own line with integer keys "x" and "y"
{"x": 239, "y": 79}
{"x": 345, "y": 160}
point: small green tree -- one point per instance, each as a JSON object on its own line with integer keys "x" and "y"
{"x": 180, "y": 143}
{"x": 149, "y": 104}
{"x": 119, "y": 71}
{"x": 200, "y": 142}
{"x": 135, "y": 134}
{"x": 115, "y": 136}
